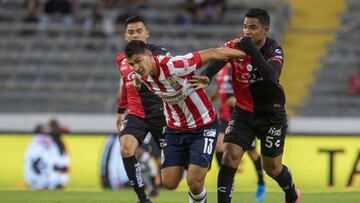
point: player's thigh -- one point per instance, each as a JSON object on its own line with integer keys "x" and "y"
{"x": 272, "y": 165}
{"x": 157, "y": 128}
{"x": 175, "y": 151}
{"x": 171, "y": 176}
{"x": 196, "y": 176}
{"x": 135, "y": 127}
{"x": 220, "y": 142}
{"x": 203, "y": 144}
{"x": 233, "y": 154}
{"x": 272, "y": 132}
{"x": 128, "y": 145}
{"x": 252, "y": 151}
{"x": 238, "y": 131}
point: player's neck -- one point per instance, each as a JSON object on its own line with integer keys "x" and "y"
{"x": 260, "y": 44}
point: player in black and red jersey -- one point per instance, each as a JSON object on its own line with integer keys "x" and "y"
{"x": 145, "y": 111}
{"x": 225, "y": 94}
{"x": 260, "y": 106}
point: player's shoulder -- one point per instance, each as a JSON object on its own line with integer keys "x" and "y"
{"x": 272, "y": 46}
{"x": 120, "y": 57}
{"x": 122, "y": 64}
{"x": 157, "y": 50}
{"x": 231, "y": 43}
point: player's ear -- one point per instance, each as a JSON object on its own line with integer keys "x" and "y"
{"x": 147, "y": 33}
{"x": 266, "y": 30}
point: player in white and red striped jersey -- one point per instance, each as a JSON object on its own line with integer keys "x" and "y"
{"x": 190, "y": 137}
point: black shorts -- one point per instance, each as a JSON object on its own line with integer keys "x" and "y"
{"x": 269, "y": 128}
{"x": 223, "y": 125}
{"x": 139, "y": 127}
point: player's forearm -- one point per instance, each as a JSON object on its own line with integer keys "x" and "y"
{"x": 266, "y": 70}
{"x": 220, "y": 54}
{"x": 213, "y": 68}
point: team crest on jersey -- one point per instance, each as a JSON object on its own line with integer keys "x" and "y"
{"x": 174, "y": 84}
{"x": 249, "y": 67}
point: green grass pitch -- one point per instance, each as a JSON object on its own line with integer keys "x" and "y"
{"x": 127, "y": 196}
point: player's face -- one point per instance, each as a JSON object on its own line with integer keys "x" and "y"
{"x": 254, "y": 29}
{"x": 141, "y": 64}
{"x": 136, "y": 31}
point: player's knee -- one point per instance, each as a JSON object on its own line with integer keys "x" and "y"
{"x": 170, "y": 185}
{"x": 219, "y": 148}
{"x": 127, "y": 151}
{"x": 272, "y": 170}
{"x": 196, "y": 185}
{"x": 231, "y": 160}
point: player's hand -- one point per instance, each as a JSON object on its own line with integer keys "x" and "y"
{"x": 244, "y": 44}
{"x": 199, "y": 82}
{"x": 137, "y": 83}
{"x": 119, "y": 121}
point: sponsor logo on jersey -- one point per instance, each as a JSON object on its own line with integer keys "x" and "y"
{"x": 210, "y": 133}
{"x": 173, "y": 99}
{"x": 278, "y": 51}
{"x": 275, "y": 131}
{"x": 174, "y": 83}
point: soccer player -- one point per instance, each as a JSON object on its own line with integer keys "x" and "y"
{"x": 145, "y": 109}
{"x": 191, "y": 132}
{"x": 260, "y": 106}
{"x": 46, "y": 161}
{"x": 224, "y": 92}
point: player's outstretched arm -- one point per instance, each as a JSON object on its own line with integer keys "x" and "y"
{"x": 221, "y": 54}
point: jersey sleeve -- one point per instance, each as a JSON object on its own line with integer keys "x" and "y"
{"x": 122, "y": 98}
{"x": 231, "y": 43}
{"x": 183, "y": 65}
{"x": 277, "y": 55}
{"x": 122, "y": 93}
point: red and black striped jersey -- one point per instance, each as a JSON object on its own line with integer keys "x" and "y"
{"x": 142, "y": 103}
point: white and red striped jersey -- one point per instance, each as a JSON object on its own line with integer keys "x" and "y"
{"x": 185, "y": 107}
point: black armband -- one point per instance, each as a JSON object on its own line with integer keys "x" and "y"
{"x": 265, "y": 69}
{"x": 213, "y": 68}
{"x": 120, "y": 110}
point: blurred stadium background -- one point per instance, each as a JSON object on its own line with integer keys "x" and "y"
{"x": 67, "y": 71}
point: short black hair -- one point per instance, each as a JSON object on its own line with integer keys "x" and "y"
{"x": 261, "y": 14}
{"x": 134, "y": 19}
{"x": 135, "y": 47}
